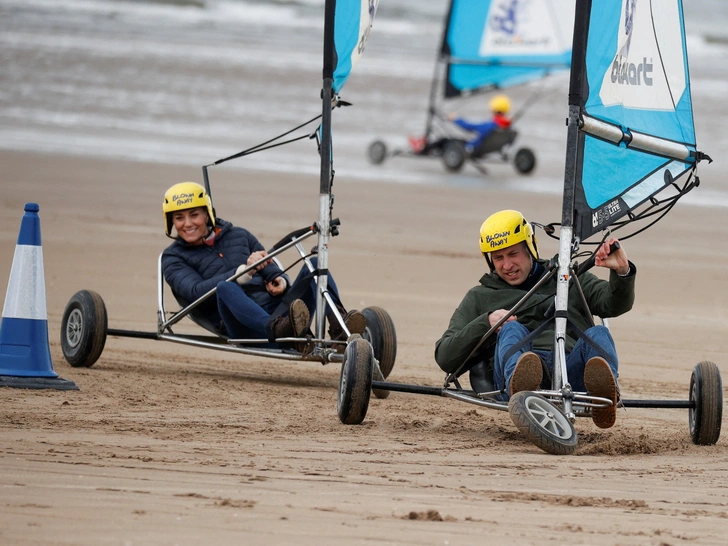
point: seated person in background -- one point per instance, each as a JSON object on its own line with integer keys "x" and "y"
{"x": 508, "y": 244}
{"x": 500, "y": 105}
{"x": 209, "y": 250}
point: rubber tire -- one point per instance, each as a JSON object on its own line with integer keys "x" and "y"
{"x": 377, "y": 152}
{"x": 453, "y": 155}
{"x": 355, "y": 383}
{"x": 524, "y": 161}
{"x": 542, "y": 423}
{"x": 380, "y": 333}
{"x": 83, "y": 329}
{"x": 706, "y": 390}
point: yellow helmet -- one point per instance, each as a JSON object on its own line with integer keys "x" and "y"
{"x": 504, "y": 229}
{"x": 500, "y": 104}
{"x": 182, "y": 196}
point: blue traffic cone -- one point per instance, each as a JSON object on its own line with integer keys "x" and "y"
{"x": 25, "y": 354}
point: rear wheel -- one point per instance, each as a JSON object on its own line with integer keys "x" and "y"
{"x": 355, "y": 383}
{"x": 453, "y": 155}
{"x": 381, "y": 334}
{"x": 83, "y": 329}
{"x": 525, "y": 160}
{"x": 542, "y": 423}
{"x": 377, "y": 152}
{"x": 706, "y": 392}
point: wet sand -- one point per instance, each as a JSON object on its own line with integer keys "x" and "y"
{"x": 166, "y": 444}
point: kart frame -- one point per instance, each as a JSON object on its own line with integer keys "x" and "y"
{"x": 84, "y": 326}
{"x": 498, "y": 146}
{"x": 547, "y": 417}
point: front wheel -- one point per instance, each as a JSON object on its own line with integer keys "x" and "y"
{"x": 377, "y": 152}
{"x": 355, "y": 383}
{"x": 83, "y": 329}
{"x": 542, "y": 423}
{"x": 453, "y": 155}
{"x": 525, "y": 161}
{"x": 706, "y": 393}
{"x": 381, "y": 334}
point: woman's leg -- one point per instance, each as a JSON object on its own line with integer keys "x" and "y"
{"x": 243, "y": 318}
{"x": 309, "y": 294}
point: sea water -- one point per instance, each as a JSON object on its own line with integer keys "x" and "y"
{"x": 193, "y": 81}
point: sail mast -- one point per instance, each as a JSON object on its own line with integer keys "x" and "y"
{"x": 325, "y": 156}
{"x": 574, "y": 145}
{"x": 437, "y": 74}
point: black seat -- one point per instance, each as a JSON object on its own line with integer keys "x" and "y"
{"x": 197, "y": 316}
{"x": 495, "y": 142}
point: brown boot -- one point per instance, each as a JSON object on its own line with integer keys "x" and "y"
{"x": 527, "y": 375}
{"x": 295, "y": 323}
{"x": 600, "y": 382}
{"x": 355, "y": 322}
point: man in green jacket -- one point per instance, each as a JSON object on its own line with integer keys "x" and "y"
{"x": 504, "y": 363}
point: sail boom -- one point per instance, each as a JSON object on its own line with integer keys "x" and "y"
{"x": 636, "y": 140}
{"x": 560, "y": 65}
{"x": 600, "y": 129}
{"x": 660, "y": 146}
{"x": 498, "y": 44}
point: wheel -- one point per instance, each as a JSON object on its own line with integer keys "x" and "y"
{"x": 381, "y": 335}
{"x": 525, "y": 160}
{"x": 453, "y": 155}
{"x": 83, "y": 329}
{"x": 377, "y": 152}
{"x": 542, "y": 423}
{"x": 706, "y": 392}
{"x": 355, "y": 383}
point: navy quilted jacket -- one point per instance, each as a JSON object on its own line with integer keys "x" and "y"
{"x": 193, "y": 270}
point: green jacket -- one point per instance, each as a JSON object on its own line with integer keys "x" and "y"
{"x": 470, "y": 321}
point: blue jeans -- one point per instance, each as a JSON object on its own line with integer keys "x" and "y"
{"x": 513, "y": 332}
{"x": 246, "y": 319}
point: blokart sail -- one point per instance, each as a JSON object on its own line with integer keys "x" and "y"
{"x": 488, "y": 45}
{"x": 630, "y": 135}
{"x": 346, "y": 36}
{"x": 499, "y": 44}
{"x": 84, "y": 328}
{"x": 630, "y": 132}
{"x": 347, "y": 25}
{"x": 502, "y": 43}
{"x": 630, "y": 95}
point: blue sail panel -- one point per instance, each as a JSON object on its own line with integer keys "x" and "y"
{"x": 638, "y": 130}
{"x": 637, "y": 67}
{"x": 352, "y": 26}
{"x": 610, "y": 191}
{"x": 501, "y": 43}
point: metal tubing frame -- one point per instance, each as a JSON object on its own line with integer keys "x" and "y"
{"x": 454, "y": 375}
{"x": 163, "y": 325}
{"x": 580, "y": 400}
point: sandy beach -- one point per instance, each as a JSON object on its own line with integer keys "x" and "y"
{"x": 165, "y": 444}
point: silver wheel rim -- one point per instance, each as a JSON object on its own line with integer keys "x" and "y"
{"x": 74, "y": 328}
{"x": 548, "y": 417}
{"x": 342, "y": 382}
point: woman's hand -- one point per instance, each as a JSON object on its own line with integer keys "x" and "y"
{"x": 258, "y": 255}
{"x": 277, "y": 286}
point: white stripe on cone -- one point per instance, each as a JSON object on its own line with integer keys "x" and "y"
{"x": 26, "y": 298}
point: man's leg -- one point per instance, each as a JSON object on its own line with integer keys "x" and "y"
{"x": 523, "y": 364}
{"x": 583, "y": 351}
{"x": 590, "y": 371}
